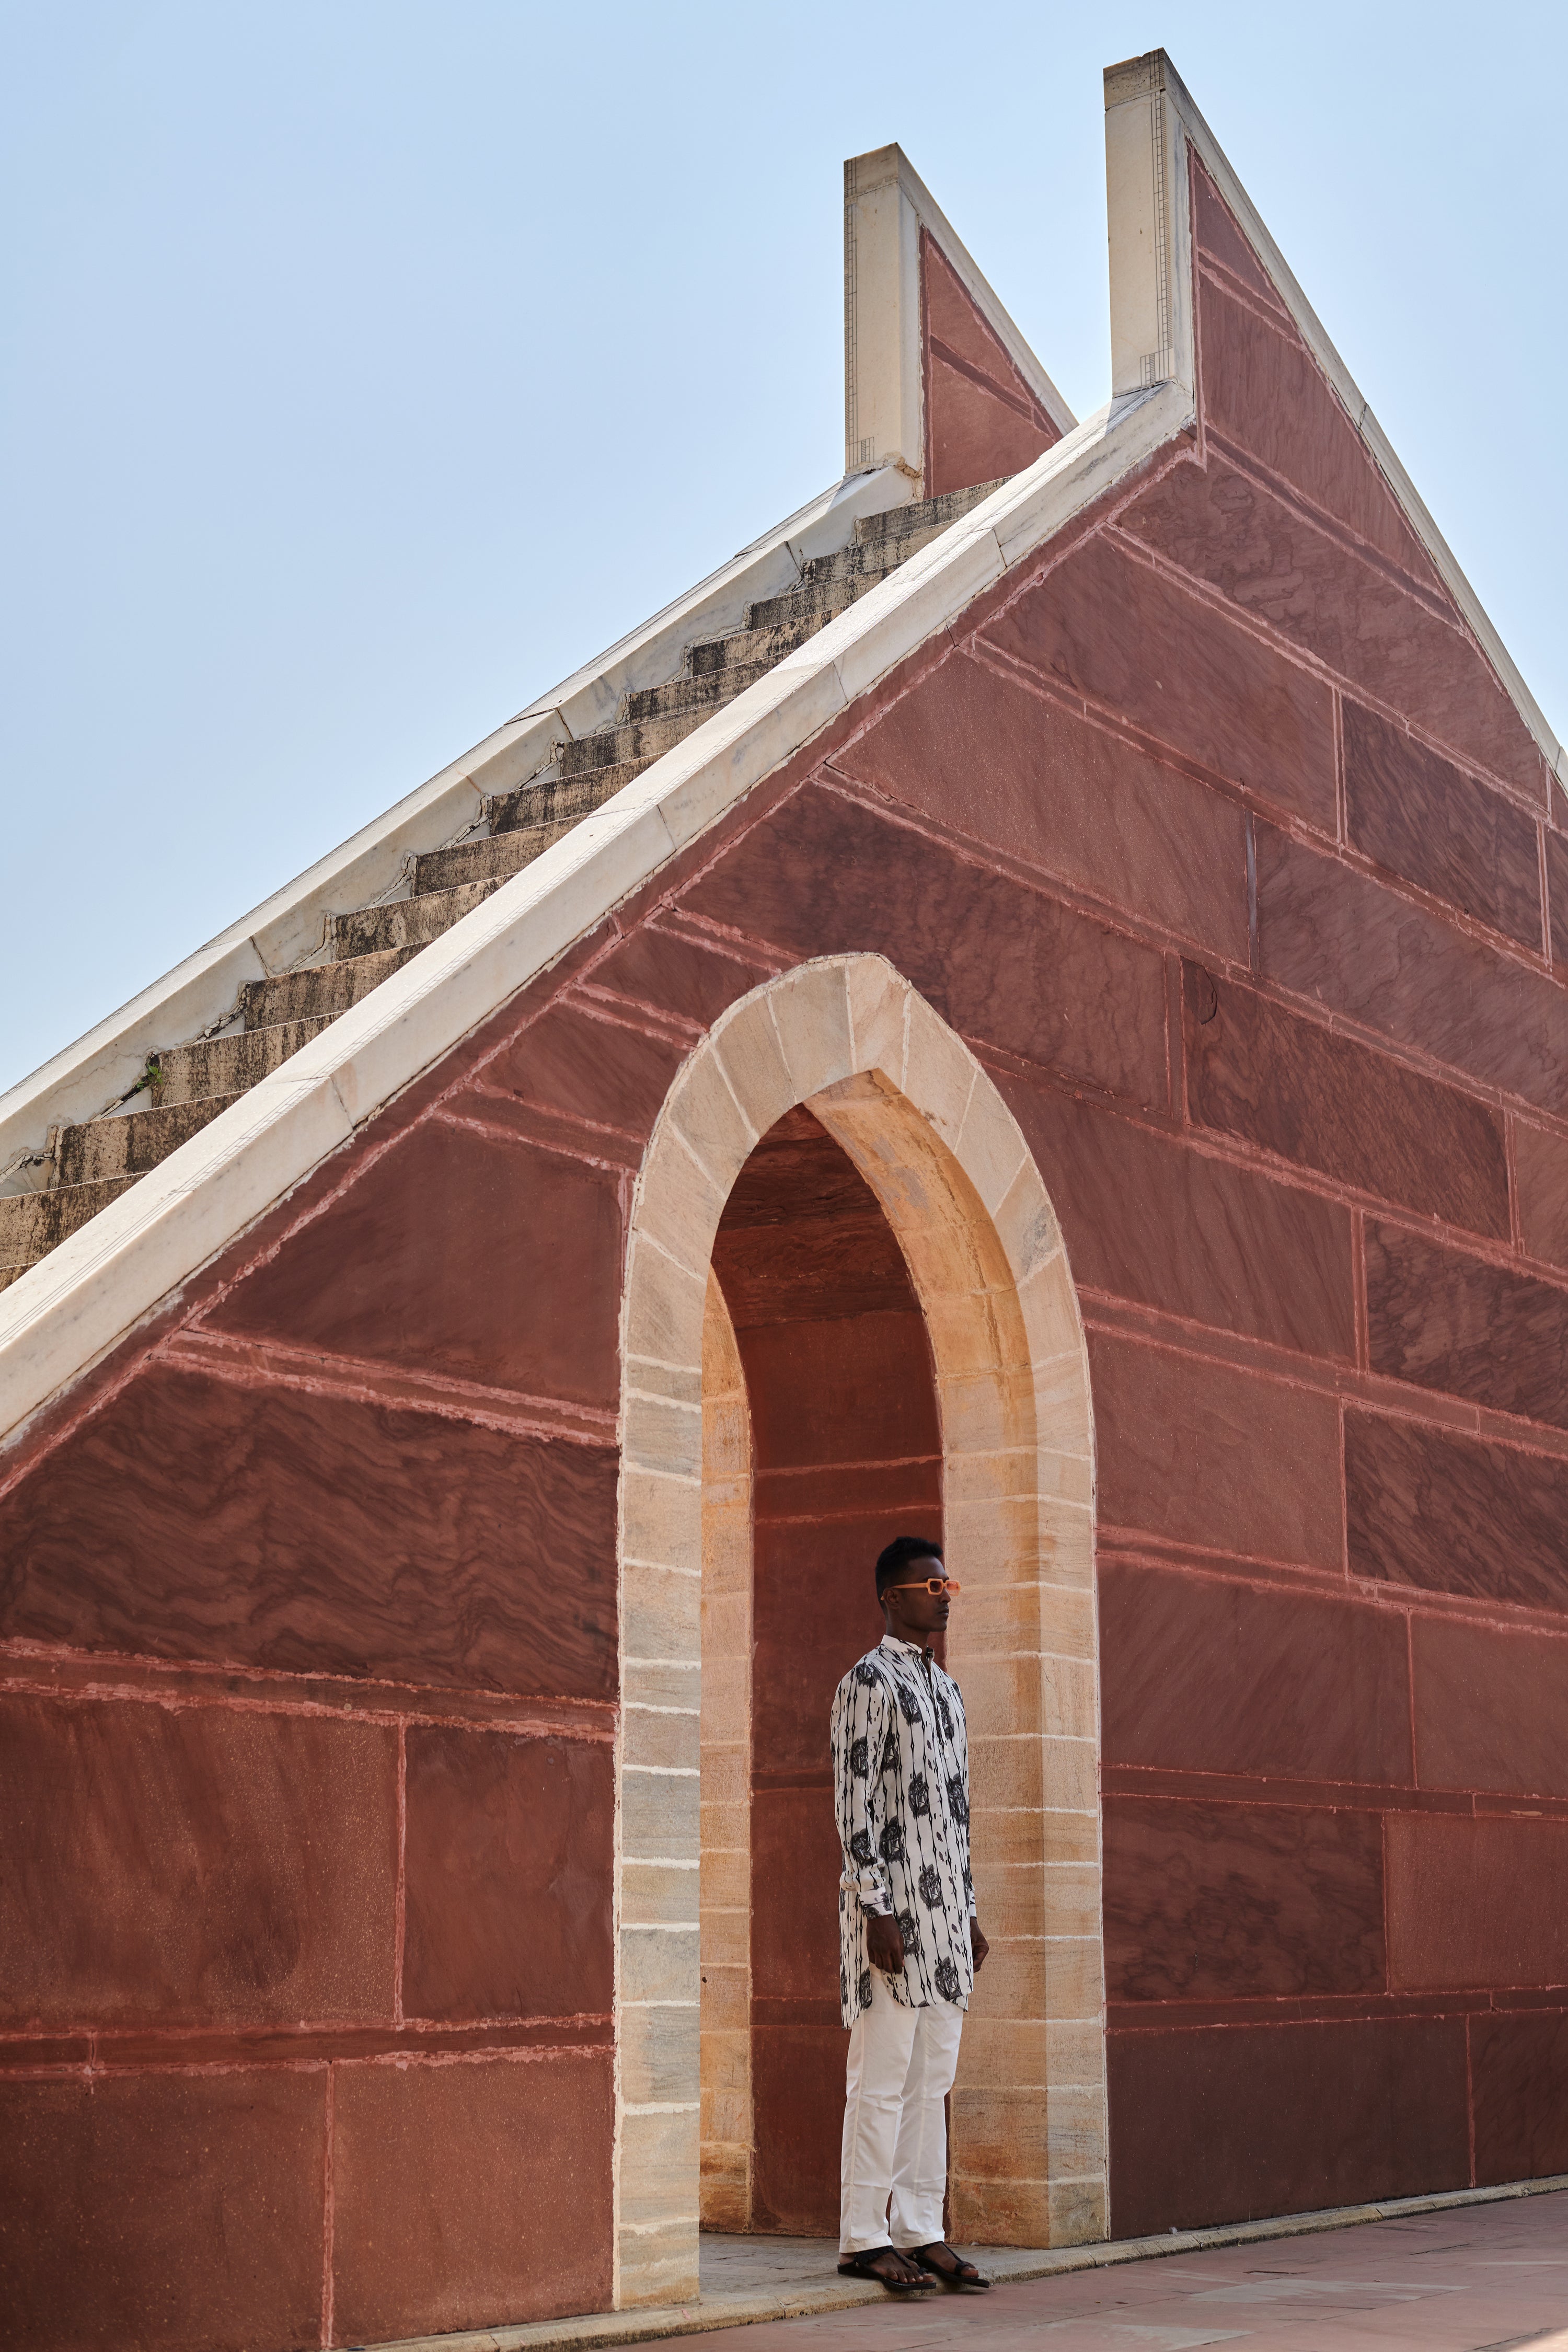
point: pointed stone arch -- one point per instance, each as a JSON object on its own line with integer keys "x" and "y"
{"x": 907, "y": 1100}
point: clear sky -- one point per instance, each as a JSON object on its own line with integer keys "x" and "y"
{"x": 370, "y": 366}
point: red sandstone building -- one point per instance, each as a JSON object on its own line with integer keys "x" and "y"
{"x": 1032, "y": 1003}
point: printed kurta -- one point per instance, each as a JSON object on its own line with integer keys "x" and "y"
{"x": 900, "y": 1772}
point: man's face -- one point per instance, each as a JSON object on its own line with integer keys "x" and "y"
{"x": 914, "y": 1613}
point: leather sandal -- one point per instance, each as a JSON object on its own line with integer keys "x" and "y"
{"x": 861, "y": 2265}
{"x": 962, "y": 2274}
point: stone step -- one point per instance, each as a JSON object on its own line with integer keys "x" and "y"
{"x": 896, "y": 522}
{"x": 815, "y": 603}
{"x": 757, "y": 650}
{"x": 881, "y": 543}
{"x": 654, "y": 719}
{"x": 493, "y": 858}
{"x": 131, "y": 1143}
{"x": 642, "y": 738}
{"x": 405, "y": 923}
{"x": 321, "y": 991}
{"x": 868, "y": 559}
{"x": 227, "y": 1065}
{"x": 559, "y": 800}
{"x": 706, "y": 691}
{"x": 32, "y": 1223}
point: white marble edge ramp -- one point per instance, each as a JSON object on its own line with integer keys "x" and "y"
{"x": 1006, "y": 2265}
{"x": 66, "y": 1311}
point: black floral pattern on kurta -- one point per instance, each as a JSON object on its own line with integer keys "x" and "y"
{"x": 903, "y": 1829}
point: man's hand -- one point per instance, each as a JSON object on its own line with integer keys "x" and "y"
{"x": 977, "y": 1945}
{"x": 884, "y": 1942}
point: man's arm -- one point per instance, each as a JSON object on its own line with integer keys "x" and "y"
{"x": 978, "y": 1946}
{"x": 860, "y": 1728}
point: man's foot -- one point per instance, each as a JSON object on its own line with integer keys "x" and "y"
{"x": 949, "y": 2268}
{"x": 889, "y": 2268}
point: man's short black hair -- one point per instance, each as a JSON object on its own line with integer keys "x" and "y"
{"x": 892, "y": 1562}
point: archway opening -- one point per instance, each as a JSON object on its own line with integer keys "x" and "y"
{"x": 908, "y": 1106}
{"x": 839, "y": 1395}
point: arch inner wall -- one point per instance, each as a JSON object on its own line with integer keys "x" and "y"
{"x": 846, "y": 1452}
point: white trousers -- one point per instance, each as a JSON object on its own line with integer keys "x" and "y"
{"x": 901, "y": 2066}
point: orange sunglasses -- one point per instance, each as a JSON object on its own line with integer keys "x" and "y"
{"x": 929, "y": 1584}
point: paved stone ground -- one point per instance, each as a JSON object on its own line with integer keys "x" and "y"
{"x": 1429, "y": 2274}
{"x": 1477, "y": 2278}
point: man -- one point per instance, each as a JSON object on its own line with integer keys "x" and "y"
{"x": 910, "y": 1943}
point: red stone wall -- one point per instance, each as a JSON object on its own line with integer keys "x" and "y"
{"x": 1220, "y": 843}
{"x": 306, "y": 1740}
{"x": 847, "y": 1455}
{"x": 982, "y": 420}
